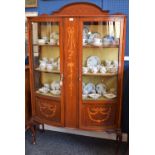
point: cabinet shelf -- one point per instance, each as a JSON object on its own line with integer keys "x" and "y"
{"x": 102, "y": 98}
{"x": 52, "y": 71}
{"x": 103, "y": 46}
{"x": 46, "y": 45}
{"x": 49, "y": 95}
{"x": 100, "y": 74}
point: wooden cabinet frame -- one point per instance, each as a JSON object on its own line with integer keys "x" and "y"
{"x": 71, "y": 18}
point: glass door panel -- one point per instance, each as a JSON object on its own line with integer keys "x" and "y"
{"x": 100, "y": 60}
{"x": 46, "y": 58}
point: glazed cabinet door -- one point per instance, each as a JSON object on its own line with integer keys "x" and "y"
{"x": 46, "y": 60}
{"x": 100, "y": 70}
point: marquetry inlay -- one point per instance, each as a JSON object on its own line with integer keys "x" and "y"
{"x": 47, "y": 110}
{"x": 71, "y": 64}
{"x": 102, "y": 111}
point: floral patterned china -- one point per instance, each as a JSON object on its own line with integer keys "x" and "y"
{"x": 93, "y": 61}
{"x": 101, "y": 88}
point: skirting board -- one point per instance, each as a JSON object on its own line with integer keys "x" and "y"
{"x": 102, "y": 135}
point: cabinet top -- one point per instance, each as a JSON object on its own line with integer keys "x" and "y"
{"x": 79, "y": 9}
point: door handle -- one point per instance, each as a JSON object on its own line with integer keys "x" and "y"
{"x": 61, "y": 79}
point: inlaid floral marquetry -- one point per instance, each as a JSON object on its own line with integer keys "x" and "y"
{"x": 71, "y": 48}
{"x": 47, "y": 110}
{"x": 99, "y": 114}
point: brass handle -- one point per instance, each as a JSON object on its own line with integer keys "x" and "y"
{"x": 61, "y": 79}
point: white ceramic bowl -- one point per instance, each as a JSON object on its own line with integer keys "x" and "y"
{"x": 55, "y": 92}
{"x": 94, "y": 96}
{"x": 84, "y": 96}
{"x": 41, "y": 41}
{"x": 85, "y": 70}
{"x": 43, "y": 90}
{"x": 110, "y": 95}
{"x": 49, "y": 67}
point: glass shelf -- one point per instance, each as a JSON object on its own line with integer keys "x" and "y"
{"x": 48, "y": 94}
{"x": 103, "y": 46}
{"x": 46, "y": 45}
{"x": 52, "y": 71}
{"x": 100, "y": 74}
{"x": 102, "y": 98}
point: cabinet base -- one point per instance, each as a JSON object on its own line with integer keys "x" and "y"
{"x": 32, "y": 125}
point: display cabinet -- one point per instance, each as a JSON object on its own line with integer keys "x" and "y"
{"x": 76, "y": 67}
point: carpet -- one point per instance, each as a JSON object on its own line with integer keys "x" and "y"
{"x": 56, "y": 143}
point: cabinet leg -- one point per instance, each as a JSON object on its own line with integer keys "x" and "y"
{"x": 43, "y": 129}
{"x": 118, "y": 140}
{"x": 33, "y": 134}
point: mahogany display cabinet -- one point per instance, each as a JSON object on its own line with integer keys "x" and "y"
{"x": 76, "y": 60}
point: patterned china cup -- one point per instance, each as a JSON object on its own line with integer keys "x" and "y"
{"x": 49, "y": 67}
{"x": 85, "y": 70}
{"x": 103, "y": 70}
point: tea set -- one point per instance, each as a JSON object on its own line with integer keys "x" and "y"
{"x": 95, "y": 91}
{"x": 94, "y": 66}
{"x": 53, "y": 88}
{"x": 52, "y": 40}
{"x": 96, "y": 39}
{"x": 49, "y": 64}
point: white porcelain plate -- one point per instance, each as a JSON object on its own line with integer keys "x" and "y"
{"x": 94, "y": 96}
{"x": 110, "y": 95}
{"x": 93, "y": 61}
{"x": 55, "y": 92}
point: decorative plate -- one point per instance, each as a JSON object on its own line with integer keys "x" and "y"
{"x": 85, "y": 30}
{"x": 110, "y": 95}
{"x": 55, "y": 92}
{"x": 101, "y": 88}
{"x": 94, "y": 96}
{"x": 93, "y": 61}
{"x": 55, "y": 85}
{"x": 89, "y": 88}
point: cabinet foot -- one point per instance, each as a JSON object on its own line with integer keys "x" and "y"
{"x": 32, "y": 125}
{"x": 118, "y": 140}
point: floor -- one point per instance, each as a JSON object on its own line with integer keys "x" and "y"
{"x": 56, "y": 143}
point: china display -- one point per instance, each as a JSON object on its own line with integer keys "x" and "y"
{"x": 76, "y": 67}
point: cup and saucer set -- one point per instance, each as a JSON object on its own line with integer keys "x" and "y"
{"x": 49, "y": 64}
{"x": 53, "y": 88}
{"x": 96, "y": 39}
{"x": 93, "y": 91}
{"x": 52, "y": 40}
{"x": 93, "y": 65}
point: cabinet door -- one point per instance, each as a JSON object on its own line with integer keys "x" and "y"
{"x": 46, "y": 63}
{"x": 99, "y": 69}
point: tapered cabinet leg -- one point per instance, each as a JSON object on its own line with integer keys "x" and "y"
{"x": 33, "y": 134}
{"x": 118, "y": 140}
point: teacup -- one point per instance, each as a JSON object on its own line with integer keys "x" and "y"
{"x": 51, "y": 60}
{"x": 45, "y": 38}
{"x": 52, "y": 41}
{"x": 46, "y": 85}
{"x": 95, "y": 70}
{"x": 107, "y": 62}
{"x": 49, "y": 67}
{"x": 85, "y": 41}
{"x": 97, "y": 40}
{"x": 55, "y": 64}
{"x": 103, "y": 70}
{"x": 85, "y": 69}
{"x": 115, "y": 63}
{"x": 42, "y": 65}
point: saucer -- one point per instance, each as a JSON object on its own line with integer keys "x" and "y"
{"x": 94, "y": 96}
{"x": 110, "y": 95}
